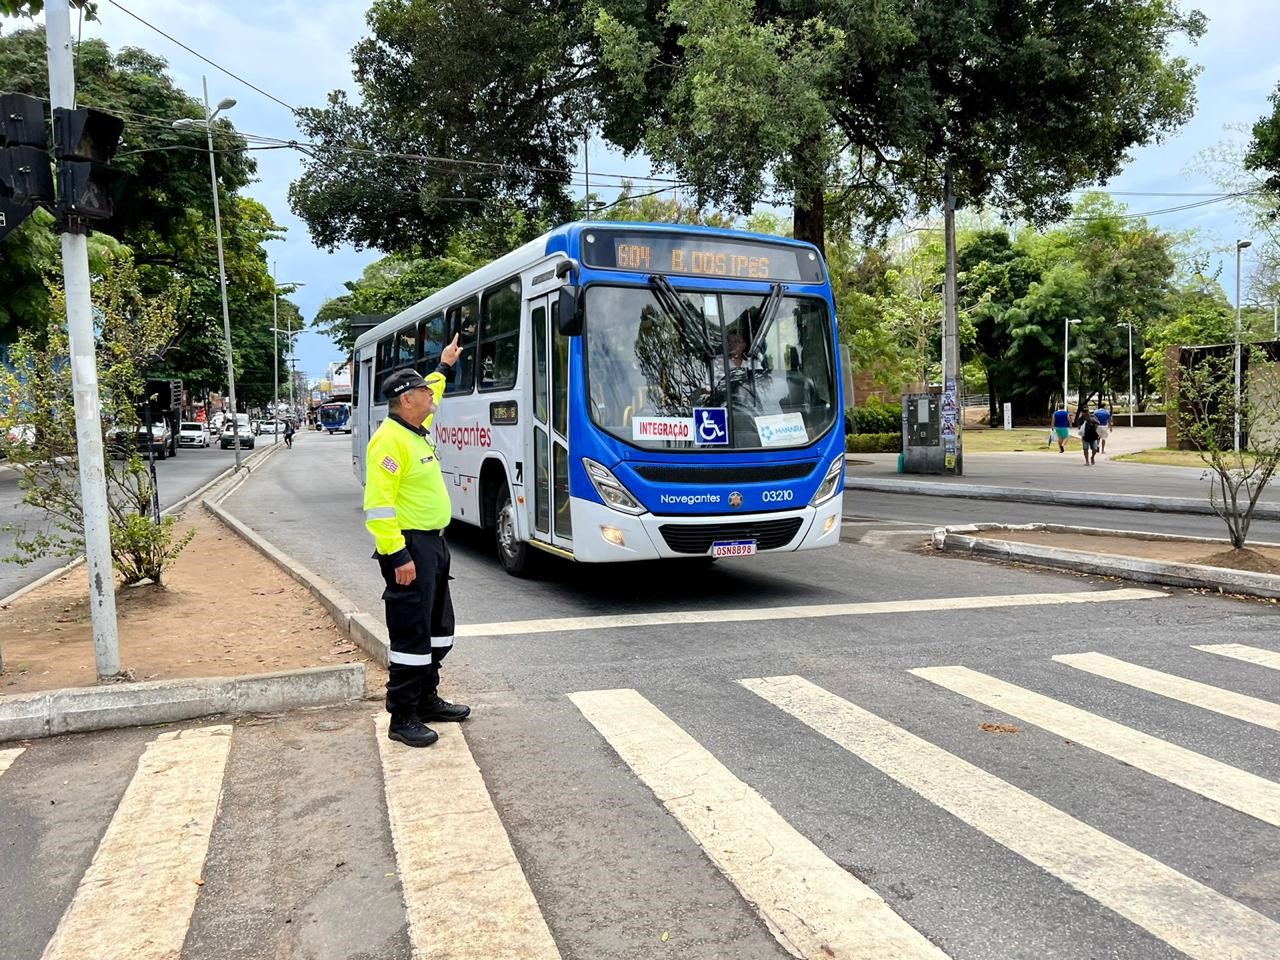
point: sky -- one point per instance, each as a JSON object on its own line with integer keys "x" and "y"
{"x": 299, "y": 51}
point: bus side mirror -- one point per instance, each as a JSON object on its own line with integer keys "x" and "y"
{"x": 569, "y": 319}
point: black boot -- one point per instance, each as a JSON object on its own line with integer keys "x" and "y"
{"x": 412, "y": 732}
{"x": 432, "y": 708}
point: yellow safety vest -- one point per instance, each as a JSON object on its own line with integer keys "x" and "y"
{"x": 404, "y": 488}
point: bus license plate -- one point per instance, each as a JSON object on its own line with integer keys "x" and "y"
{"x": 733, "y": 548}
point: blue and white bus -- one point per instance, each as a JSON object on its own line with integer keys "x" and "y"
{"x": 335, "y": 417}
{"x": 631, "y": 391}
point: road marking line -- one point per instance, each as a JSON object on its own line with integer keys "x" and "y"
{"x": 1238, "y": 651}
{"x": 136, "y": 899}
{"x": 812, "y": 906}
{"x": 1185, "y": 768}
{"x": 925, "y": 605}
{"x": 1264, "y": 713}
{"x": 465, "y": 893}
{"x": 1189, "y": 916}
{"x": 8, "y": 756}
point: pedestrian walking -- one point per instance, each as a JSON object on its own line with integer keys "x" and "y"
{"x": 406, "y": 508}
{"x": 1089, "y": 438}
{"x": 1062, "y": 426}
{"x": 288, "y": 434}
{"x": 1103, "y": 416}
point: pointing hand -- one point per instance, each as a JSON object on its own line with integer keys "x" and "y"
{"x": 451, "y": 352}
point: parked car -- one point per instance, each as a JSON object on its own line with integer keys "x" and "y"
{"x": 193, "y": 434}
{"x": 162, "y": 441}
{"x": 228, "y": 438}
{"x": 270, "y": 427}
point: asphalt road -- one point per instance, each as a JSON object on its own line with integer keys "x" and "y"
{"x": 1109, "y": 860}
{"x": 177, "y": 476}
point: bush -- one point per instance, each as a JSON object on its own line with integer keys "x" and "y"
{"x": 873, "y": 443}
{"x": 875, "y": 416}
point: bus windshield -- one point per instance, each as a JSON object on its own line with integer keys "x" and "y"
{"x": 663, "y": 378}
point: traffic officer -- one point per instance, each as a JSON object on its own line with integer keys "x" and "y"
{"x": 406, "y": 508}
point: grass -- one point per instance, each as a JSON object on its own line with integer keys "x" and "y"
{"x": 1018, "y": 440}
{"x": 1169, "y": 457}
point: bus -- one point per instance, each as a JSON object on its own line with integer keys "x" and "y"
{"x": 335, "y": 417}
{"x": 630, "y": 391}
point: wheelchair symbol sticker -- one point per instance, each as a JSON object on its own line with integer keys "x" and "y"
{"x": 712, "y": 424}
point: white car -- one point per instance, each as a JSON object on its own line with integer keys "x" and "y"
{"x": 193, "y": 434}
{"x": 270, "y": 427}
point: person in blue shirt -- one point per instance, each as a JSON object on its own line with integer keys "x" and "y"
{"x": 1061, "y": 426}
{"x": 1103, "y": 416}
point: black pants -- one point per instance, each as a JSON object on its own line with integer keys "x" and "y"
{"x": 419, "y": 623}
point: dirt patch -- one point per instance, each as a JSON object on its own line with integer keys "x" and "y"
{"x": 224, "y": 610}
{"x": 1260, "y": 559}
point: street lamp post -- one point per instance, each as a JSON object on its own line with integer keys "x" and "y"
{"x": 225, "y": 104}
{"x": 1129, "y": 324}
{"x": 1235, "y": 445}
{"x": 275, "y": 331}
{"x": 1066, "y": 349}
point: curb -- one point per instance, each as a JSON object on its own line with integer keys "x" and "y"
{"x": 176, "y": 507}
{"x": 357, "y": 626}
{"x": 82, "y": 709}
{"x": 961, "y": 539}
{"x": 1063, "y": 498}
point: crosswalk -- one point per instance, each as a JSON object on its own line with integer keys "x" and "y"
{"x": 468, "y": 890}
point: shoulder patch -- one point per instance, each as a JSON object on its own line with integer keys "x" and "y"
{"x": 389, "y": 464}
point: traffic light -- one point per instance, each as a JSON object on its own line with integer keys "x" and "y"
{"x": 84, "y": 142}
{"x": 25, "y": 177}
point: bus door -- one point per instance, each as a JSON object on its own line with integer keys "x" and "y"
{"x": 362, "y": 402}
{"x": 549, "y": 513}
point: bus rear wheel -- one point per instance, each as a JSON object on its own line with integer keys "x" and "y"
{"x": 514, "y": 555}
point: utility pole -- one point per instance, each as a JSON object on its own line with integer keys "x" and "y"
{"x": 952, "y": 382}
{"x": 275, "y": 364}
{"x": 84, "y": 375}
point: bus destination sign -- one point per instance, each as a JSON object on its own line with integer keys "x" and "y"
{"x": 696, "y": 255}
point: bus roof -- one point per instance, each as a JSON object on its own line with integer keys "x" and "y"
{"x": 554, "y": 241}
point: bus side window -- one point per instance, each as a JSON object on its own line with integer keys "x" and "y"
{"x": 430, "y": 343}
{"x": 355, "y": 380}
{"x": 382, "y": 365}
{"x": 462, "y": 320}
{"x": 406, "y": 347}
{"x": 500, "y": 336}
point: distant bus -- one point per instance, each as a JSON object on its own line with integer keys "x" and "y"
{"x": 631, "y": 391}
{"x": 335, "y": 417}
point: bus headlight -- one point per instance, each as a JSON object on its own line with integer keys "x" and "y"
{"x": 611, "y": 490}
{"x": 830, "y": 483}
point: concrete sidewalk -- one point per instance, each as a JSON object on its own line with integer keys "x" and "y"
{"x": 1046, "y": 476}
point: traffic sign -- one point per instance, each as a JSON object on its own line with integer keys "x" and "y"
{"x": 11, "y": 216}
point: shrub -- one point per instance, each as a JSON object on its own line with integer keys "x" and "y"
{"x": 874, "y": 416}
{"x": 873, "y": 443}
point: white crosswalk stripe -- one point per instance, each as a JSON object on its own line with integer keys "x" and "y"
{"x": 1238, "y": 651}
{"x": 136, "y": 899}
{"x": 813, "y": 907}
{"x": 1210, "y": 778}
{"x": 465, "y": 894}
{"x": 8, "y": 756}
{"x": 1205, "y": 924}
{"x": 1264, "y": 713}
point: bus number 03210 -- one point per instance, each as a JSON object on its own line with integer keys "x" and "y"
{"x": 777, "y": 496}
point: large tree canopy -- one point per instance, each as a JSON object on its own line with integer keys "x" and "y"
{"x": 469, "y": 103}
{"x": 466, "y": 106}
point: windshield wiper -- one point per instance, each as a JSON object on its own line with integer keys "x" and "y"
{"x": 686, "y": 319}
{"x": 769, "y": 311}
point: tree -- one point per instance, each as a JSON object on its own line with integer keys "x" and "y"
{"x": 465, "y": 106}
{"x": 1207, "y": 411}
{"x": 38, "y": 426}
{"x": 1264, "y": 152}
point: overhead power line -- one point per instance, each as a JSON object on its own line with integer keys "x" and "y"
{"x": 195, "y": 53}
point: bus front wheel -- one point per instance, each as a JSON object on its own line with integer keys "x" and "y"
{"x": 514, "y": 555}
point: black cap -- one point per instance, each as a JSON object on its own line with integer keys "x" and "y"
{"x": 400, "y": 382}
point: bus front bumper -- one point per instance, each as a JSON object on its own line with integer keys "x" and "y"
{"x": 603, "y": 535}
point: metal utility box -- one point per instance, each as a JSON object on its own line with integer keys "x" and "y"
{"x": 922, "y": 449}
